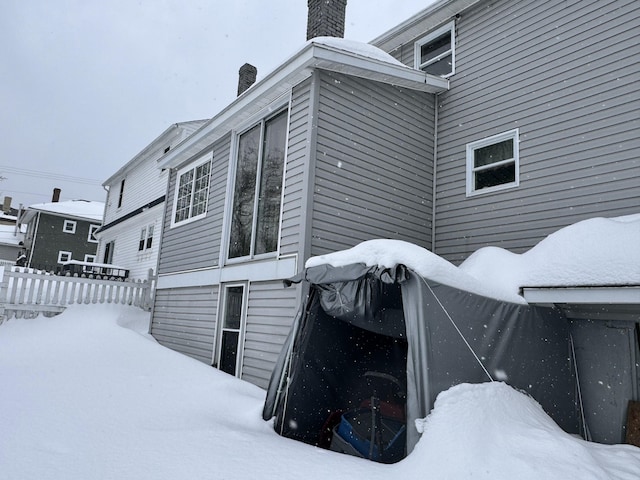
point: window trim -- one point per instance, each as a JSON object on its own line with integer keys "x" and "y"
{"x": 207, "y": 157}
{"x": 72, "y": 224}
{"x": 145, "y": 241}
{"x": 222, "y": 308}
{"x": 64, "y": 252}
{"x": 417, "y": 61}
{"x": 267, "y": 115}
{"x": 121, "y": 193}
{"x": 470, "y": 169}
{"x": 91, "y": 236}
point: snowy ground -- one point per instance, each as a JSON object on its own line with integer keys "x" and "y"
{"x": 86, "y": 396}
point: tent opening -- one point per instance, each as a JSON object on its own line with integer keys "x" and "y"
{"x": 350, "y": 395}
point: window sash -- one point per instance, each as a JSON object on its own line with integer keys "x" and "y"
{"x": 434, "y": 54}
{"x": 192, "y": 192}
{"x": 493, "y": 163}
{"x": 257, "y": 198}
{"x": 69, "y": 226}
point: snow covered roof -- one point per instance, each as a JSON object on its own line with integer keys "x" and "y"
{"x": 594, "y": 252}
{"x": 83, "y": 209}
{"x": 324, "y": 53}
{"x": 8, "y": 235}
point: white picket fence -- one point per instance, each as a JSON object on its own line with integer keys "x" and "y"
{"x": 25, "y": 293}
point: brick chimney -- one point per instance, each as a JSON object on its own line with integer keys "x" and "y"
{"x": 246, "y": 77}
{"x": 326, "y": 18}
{"x": 56, "y": 195}
{"x": 6, "y": 204}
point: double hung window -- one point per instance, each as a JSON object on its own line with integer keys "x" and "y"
{"x": 493, "y": 163}
{"x": 192, "y": 191}
{"x": 257, "y": 194}
{"x": 146, "y": 238}
{"x": 435, "y": 53}
{"x": 69, "y": 226}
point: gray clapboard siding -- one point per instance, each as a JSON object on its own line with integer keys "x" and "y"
{"x": 296, "y": 170}
{"x": 270, "y": 313}
{"x": 184, "y": 319}
{"x": 566, "y": 75}
{"x": 182, "y": 246}
{"x": 373, "y": 172}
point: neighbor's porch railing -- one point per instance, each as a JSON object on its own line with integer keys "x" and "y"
{"x": 25, "y": 293}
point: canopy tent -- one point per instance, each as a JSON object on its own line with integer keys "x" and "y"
{"x": 357, "y": 321}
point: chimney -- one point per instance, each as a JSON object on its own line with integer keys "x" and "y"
{"x": 6, "y": 205}
{"x": 56, "y": 195}
{"x": 247, "y": 77}
{"x": 326, "y": 18}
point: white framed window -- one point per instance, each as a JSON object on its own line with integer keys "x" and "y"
{"x": 230, "y": 340}
{"x": 64, "y": 256}
{"x": 192, "y": 191}
{"x": 257, "y": 190}
{"x": 493, "y": 163}
{"x": 436, "y": 53}
{"x": 89, "y": 258}
{"x": 92, "y": 233}
{"x": 146, "y": 238}
{"x": 69, "y": 226}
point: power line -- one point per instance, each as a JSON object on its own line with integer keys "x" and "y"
{"x": 49, "y": 175}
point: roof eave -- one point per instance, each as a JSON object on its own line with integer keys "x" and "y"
{"x": 280, "y": 82}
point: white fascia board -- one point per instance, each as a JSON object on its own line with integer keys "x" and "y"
{"x": 628, "y": 295}
{"x": 421, "y": 23}
{"x": 270, "y": 270}
{"x": 284, "y": 78}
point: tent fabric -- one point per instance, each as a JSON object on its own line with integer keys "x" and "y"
{"x": 357, "y": 319}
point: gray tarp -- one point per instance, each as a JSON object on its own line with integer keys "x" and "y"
{"x": 358, "y": 318}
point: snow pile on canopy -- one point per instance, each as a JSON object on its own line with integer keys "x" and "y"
{"x": 598, "y": 251}
{"x": 85, "y": 398}
{"x": 357, "y": 48}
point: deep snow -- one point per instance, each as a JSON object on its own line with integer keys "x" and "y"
{"x": 86, "y": 395}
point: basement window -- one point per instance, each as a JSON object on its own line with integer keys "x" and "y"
{"x": 435, "y": 53}
{"x": 493, "y": 163}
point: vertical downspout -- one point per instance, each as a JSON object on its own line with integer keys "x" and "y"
{"x": 435, "y": 172}
{"x": 33, "y": 242}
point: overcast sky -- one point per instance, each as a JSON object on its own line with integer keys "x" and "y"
{"x": 87, "y": 84}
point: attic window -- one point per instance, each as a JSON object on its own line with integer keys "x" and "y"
{"x": 493, "y": 163}
{"x": 435, "y": 53}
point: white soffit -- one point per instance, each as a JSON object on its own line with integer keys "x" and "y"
{"x": 583, "y": 295}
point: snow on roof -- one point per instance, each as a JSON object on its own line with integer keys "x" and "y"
{"x": 76, "y": 208}
{"x": 594, "y": 252}
{"x": 8, "y": 235}
{"x": 357, "y": 48}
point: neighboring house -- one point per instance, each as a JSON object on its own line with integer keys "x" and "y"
{"x": 494, "y": 123}
{"x": 135, "y": 205}
{"x": 57, "y": 232}
{"x": 11, "y": 243}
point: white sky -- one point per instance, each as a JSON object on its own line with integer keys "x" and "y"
{"x": 87, "y": 84}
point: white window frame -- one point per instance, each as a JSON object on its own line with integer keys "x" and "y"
{"x": 62, "y": 256}
{"x": 193, "y": 166}
{"x": 241, "y": 331}
{"x": 417, "y": 61}
{"x": 92, "y": 230}
{"x": 146, "y": 235}
{"x": 69, "y": 226}
{"x": 89, "y": 258}
{"x": 471, "y": 170}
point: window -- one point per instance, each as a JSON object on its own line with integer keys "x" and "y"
{"x": 64, "y": 256}
{"x": 121, "y": 193}
{"x": 229, "y": 349}
{"x": 192, "y": 192}
{"x": 257, "y": 197}
{"x": 146, "y": 238}
{"x": 435, "y": 53}
{"x": 493, "y": 163}
{"x": 69, "y": 226}
{"x": 108, "y": 252}
{"x": 92, "y": 233}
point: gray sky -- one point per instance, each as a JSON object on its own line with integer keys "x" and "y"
{"x": 87, "y": 84}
